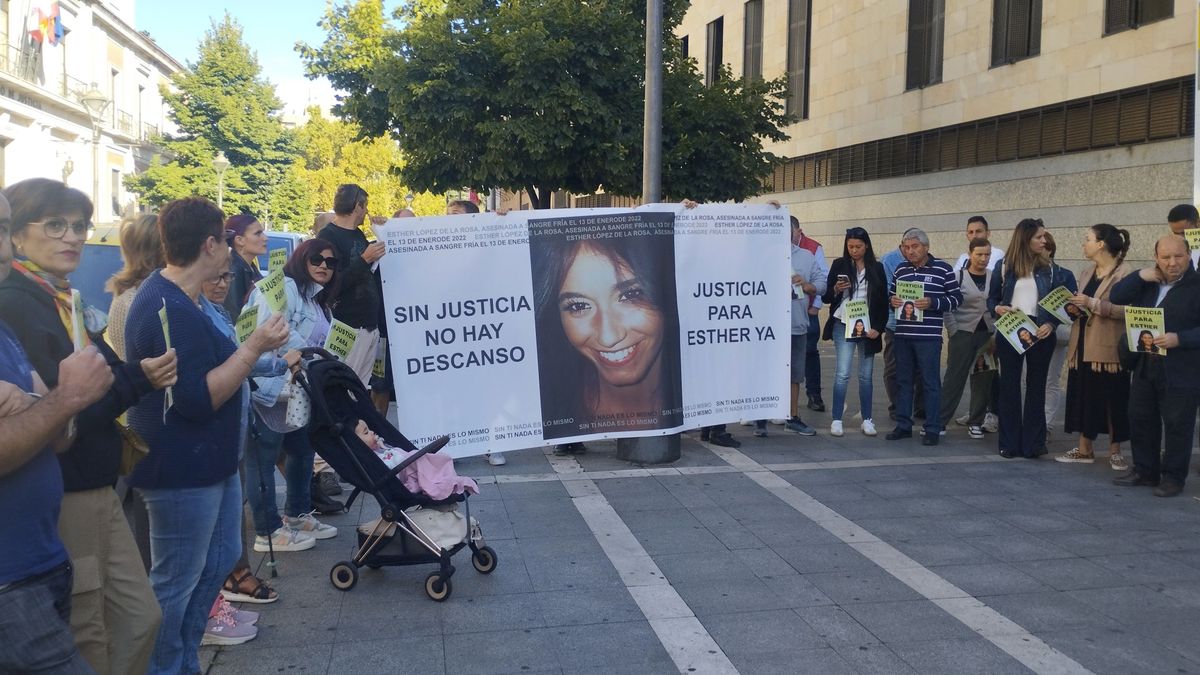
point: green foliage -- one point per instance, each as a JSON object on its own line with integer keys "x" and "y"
{"x": 222, "y": 103}
{"x": 541, "y": 95}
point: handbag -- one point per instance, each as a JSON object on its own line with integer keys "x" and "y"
{"x": 133, "y": 447}
{"x": 292, "y": 410}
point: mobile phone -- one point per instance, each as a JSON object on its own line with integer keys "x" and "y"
{"x": 843, "y": 279}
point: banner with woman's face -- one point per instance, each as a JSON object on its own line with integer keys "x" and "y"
{"x": 553, "y": 326}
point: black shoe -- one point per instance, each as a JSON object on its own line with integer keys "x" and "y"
{"x": 897, "y": 434}
{"x": 726, "y": 440}
{"x": 1135, "y": 479}
{"x": 815, "y": 403}
{"x": 330, "y": 484}
{"x": 323, "y": 503}
{"x": 929, "y": 439}
{"x": 1168, "y": 489}
{"x": 1007, "y": 454}
{"x": 570, "y": 449}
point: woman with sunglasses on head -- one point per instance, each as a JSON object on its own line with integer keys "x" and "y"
{"x": 1026, "y": 275}
{"x": 855, "y": 276}
{"x": 247, "y": 241}
{"x": 309, "y": 280}
{"x": 114, "y": 614}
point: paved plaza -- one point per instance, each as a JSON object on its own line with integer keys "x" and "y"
{"x": 790, "y": 555}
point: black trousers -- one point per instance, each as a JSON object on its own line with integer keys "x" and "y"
{"x": 1161, "y": 422}
{"x": 1023, "y": 427}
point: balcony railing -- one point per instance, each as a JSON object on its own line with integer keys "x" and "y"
{"x": 27, "y": 65}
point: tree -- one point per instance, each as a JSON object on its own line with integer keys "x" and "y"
{"x": 541, "y": 95}
{"x": 222, "y": 103}
{"x": 334, "y": 152}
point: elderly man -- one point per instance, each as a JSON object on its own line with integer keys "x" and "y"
{"x": 1165, "y": 389}
{"x": 918, "y": 341}
{"x": 35, "y": 574}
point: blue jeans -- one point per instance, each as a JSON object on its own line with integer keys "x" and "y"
{"x": 36, "y": 627}
{"x": 926, "y": 356}
{"x": 195, "y": 539}
{"x": 841, "y": 378}
{"x": 261, "y": 452}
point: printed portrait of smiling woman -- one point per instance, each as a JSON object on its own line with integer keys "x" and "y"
{"x": 608, "y": 334}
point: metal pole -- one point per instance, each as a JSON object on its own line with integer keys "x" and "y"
{"x": 221, "y": 191}
{"x": 652, "y": 449}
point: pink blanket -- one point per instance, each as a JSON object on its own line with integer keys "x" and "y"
{"x": 432, "y": 475}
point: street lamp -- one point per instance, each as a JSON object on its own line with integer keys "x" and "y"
{"x": 221, "y": 164}
{"x": 95, "y": 103}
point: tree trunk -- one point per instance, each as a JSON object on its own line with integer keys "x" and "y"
{"x": 539, "y": 197}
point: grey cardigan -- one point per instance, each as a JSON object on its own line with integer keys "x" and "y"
{"x": 973, "y": 307}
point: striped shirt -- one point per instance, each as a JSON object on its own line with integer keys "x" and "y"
{"x": 941, "y": 287}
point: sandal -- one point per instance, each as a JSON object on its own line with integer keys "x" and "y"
{"x": 235, "y": 588}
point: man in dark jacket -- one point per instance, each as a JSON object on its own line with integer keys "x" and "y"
{"x": 1165, "y": 389}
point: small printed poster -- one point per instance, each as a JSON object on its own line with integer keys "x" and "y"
{"x": 1143, "y": 325}
{"x": 272, "y": 288}
{"x": 276, "y": 259}
{"x": 1018, "y": 329}
{"x": 380, "y": 368}
{"x": 246, "y": 323}
{"x": 910, "y": 292}
{"x": 1058, "y": 302}
{"x": 166, "y": 329}
{"x": 857, "y": 318}
{"x": 984, "y": 361}
{"x": 1193, "y": 238}
{"x": 340, "y": 340}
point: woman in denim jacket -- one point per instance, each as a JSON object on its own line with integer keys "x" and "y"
{"x": 308, "y": 277}
{"x": 1026, "y": 275}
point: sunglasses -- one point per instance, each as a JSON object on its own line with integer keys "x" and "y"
{"x": 329, "y": 261}
{"x": 56, "y": 228}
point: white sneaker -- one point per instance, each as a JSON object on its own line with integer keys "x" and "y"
{"x": 284, "y": 539}
{"x": 496, "y": 459}
{"x": 991, "y": 423}
{"x": 309, "y": 525}
{"x": 746, "y": 423}
{"x": 962, "y": 421}
{"x": 868, "y": 427}
{"x": 835, "y": 429}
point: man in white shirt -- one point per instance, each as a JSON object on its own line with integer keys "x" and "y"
{"x": 1185, "y": 217}
{"x": 977, "y": 228}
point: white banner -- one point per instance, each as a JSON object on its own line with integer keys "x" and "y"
{"x": 540, "y": 327}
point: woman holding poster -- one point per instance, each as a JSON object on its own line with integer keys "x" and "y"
{"x": 309, "y": 280}
{"x": 607, "y": 332}
{"x": 1026, "y": 275}
{"x": 1097, "y": 385}
{"x": 856, "y": 281}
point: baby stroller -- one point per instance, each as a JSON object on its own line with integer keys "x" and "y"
{"x": 338, "y": 401}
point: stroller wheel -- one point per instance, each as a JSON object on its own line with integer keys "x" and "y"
{"x": 343, "y": 576}
{"x": 437, "y": 588}
{"x": 484, "y": 559}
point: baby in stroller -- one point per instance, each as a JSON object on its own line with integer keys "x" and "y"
{"x": 432, "y": 474}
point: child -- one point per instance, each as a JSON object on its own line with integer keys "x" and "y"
{"x": 431, "y": 474}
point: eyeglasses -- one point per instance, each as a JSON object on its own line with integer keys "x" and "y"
{"x": 224, "y": 278}
{"x": 56, "y": 228}
{"x": 316, "y": 260}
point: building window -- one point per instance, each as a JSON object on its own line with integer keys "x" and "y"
{"x": 753, "y": 48}
{"x": 799, "y": 18}
{"x": 683, "y": 43}
{"x": 926, "y": 31}
{"x": 714, "y": 56}
{"x": 1016, "y": 30}
{"x": 1144, "y": 114}
{"x": 1121, "y": 15}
